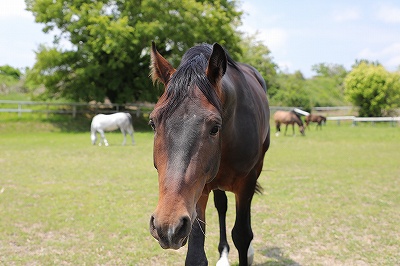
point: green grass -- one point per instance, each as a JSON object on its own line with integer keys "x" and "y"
{"x": 330, "y": 198}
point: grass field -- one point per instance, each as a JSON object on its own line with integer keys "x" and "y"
{"x": 330, "y": 198}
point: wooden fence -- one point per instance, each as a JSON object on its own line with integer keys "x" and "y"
{"x": 355, "y": 120}
{"x": 21, "y": 107}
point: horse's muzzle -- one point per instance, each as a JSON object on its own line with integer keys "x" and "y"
{"x": 171, "y": 236}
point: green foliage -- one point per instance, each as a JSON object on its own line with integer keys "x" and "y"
{"x": 256, "y": 54}
{"x": 375, "y": 90}
{"x": 110, "y": 43}
{"x": 292, "y": 91}
{"x": 7, "y": 81}
{"x": 365, "y": 61}
{"x": 7, "y": 70}
{"x": 324, "y": 91}
{"x": 11, "y": 82}
{"x": 329, "y": 70}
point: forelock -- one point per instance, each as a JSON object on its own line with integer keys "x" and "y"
{"x": 189, "y": 74}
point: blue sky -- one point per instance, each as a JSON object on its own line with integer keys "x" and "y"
{"x": 298, "y": 33}
{"x": 303, "y": 33}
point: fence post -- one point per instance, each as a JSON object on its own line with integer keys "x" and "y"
{"x": 19, "y": 110}
{"x": 73, "y": 111}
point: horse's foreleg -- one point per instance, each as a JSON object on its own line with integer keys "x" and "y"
{"x": 196, "y": 254}
{"x": 221, "y": 203}
{"x": 286, "y": 128}
{"x": 124, "y": 134}
{"x": 131, "y": 131}
{"x": 133, "y": 140}
{"x": 103, "y": 137}
{"x": 93, "y": 136}
{"x": 278, "y": 128}
{"x": 242, "y": 233}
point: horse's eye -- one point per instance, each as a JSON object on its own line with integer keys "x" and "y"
{"x": 214, "y": 130}
{"x": 151, "y": 123}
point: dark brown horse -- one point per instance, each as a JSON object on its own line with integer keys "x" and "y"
{"x": 287, "y": 118}
{"x": 211, "y": 133}
{"x": 319, "y": 119}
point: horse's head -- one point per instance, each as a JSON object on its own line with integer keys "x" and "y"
{"x": 187, "y": 122}
{"x": 301, "y": 128}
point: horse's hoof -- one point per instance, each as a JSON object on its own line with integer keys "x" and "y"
{"x": 250, "y": 255}
{"x": 277, "y": 134}
{"x": 223, "y": 260}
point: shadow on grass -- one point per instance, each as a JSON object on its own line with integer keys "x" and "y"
{"x": 278, "y": 257}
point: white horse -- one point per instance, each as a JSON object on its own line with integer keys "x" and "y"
{"x": 101, "y": 123}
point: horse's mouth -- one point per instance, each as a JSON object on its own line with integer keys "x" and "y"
{"x": 167, "y": 243}
{"x": 171, "y": 245}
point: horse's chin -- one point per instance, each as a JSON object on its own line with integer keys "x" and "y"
{"x": 172, "y": 245}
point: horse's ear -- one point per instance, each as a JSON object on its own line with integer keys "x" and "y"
{"x": 161, "y": 69}
{"x": 216, "y": 65}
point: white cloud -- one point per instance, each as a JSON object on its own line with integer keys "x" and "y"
{"x": 388, "y": 56}
{"x": 248, "y": 8}
{"x": 349, "y": 14}
{"x": 393, "y": 63}
{"x": 393, "y": 49}
{"x": 389, "y": 14}
{"x": 285, "y": 66}
{"x": 275, "y": 38}
{"x": 13, "y": 9}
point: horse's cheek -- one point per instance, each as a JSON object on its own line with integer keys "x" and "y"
{"x": 212, "y": 164}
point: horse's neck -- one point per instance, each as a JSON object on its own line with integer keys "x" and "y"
{"x": 298, "y": 120}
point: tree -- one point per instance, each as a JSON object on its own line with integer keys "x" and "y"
{"x": 329, "y": 70}
{"x": 372, "y": 88}
{"x": 256, "y": 54}
{"x": 292, "y": 91}
{"x": 330, "y": 78}
{"x": 110, "y": 40}
{"x": 365, "y": 61}
{"x": 9, "y": 71}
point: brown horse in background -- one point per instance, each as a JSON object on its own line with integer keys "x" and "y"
{"x": 287, "y": 118}
{"x": 319, "y": 119}
{"x": 211, "y": 133}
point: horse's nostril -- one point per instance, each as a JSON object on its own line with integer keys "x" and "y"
{"x": 184, "y": 227}
{"x": 170, "y": 235}
{"x": 152, "y": 225}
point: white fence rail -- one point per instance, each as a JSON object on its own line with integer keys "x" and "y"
{"x": 355, "y": 119}
{"x": 332, "y": 108}
{"x": 20, "y": 107}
